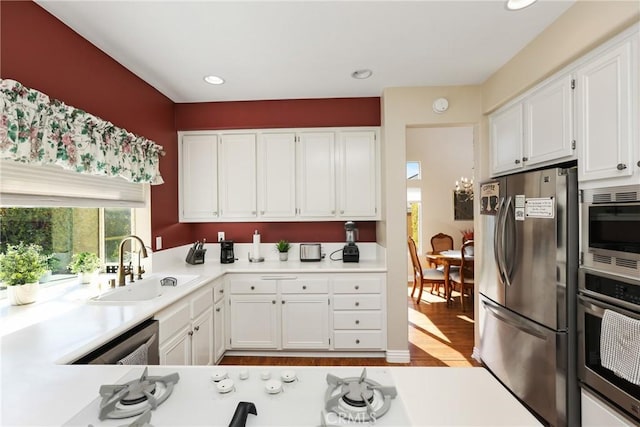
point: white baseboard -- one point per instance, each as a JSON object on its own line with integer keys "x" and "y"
{"x": 476, "y": 354}
{"x": 398, "y": 356}
{"x": 279, "y": 353}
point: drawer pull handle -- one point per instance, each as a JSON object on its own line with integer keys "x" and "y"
{"x": 190, "y": 333}
{"x": 357, "y": 322}
{"x": 304, "y": 287}
{"x": 357, "y": 304}
{"x": 357, "y": 287}
{"x": 197, "y": 328}
{"x": 621, "y": 166}
{"x": 357, "y": 341}
{"x": 253, "y": 288}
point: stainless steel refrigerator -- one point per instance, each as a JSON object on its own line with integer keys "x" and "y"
{"x": 528, "y": 270}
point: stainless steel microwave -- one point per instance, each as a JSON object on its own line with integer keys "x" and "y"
{"x": 611, "y": 222}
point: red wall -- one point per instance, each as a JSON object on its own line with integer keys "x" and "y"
{"x": 41, "y": 52}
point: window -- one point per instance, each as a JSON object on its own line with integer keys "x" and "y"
{"x": 413, "y": 170}
{"x": 64, "y": 231}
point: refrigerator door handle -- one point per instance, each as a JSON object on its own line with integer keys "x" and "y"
{"x": 497, "y": 312}
{"x": 502, "y": 225}
{"x": 512, "y": 235}
{"x": 496, "y": 238}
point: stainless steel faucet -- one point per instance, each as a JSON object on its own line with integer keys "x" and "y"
{"x": 121, "y": 268}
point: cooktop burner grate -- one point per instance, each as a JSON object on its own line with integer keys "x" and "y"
{"x": 135, "y": 397}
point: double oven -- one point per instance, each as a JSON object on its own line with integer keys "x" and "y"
{"x": 609, "y": 279}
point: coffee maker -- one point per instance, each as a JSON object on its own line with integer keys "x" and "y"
{"x": 226, "y": 252}
{"x": 350, "y": 252}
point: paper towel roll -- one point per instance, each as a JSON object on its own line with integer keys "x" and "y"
{"x": 255, "y": 253}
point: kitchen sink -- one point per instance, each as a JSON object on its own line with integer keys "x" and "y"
{"x": 144, "y": 289}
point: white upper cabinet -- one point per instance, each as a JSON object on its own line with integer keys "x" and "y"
{"x": 277, "y": 175}
{"x": 357, "y": 174}
{"x": 198, "y": 177}
{"x": 506, "y": 127}
{"x": 607, "y": 113}
{"x": 536, "y": 129}
{"x": 237, "y": 176}
{"x": 548, "y": 122}
{"x": 316, "y": 174}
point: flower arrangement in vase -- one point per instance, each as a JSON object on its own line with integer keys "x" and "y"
{"x": 283, "y": 248}
{"x": 85, "y": 264}
{"x": 21, "y": 266}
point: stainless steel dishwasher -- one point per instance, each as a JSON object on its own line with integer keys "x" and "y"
{"x": 137, "y": 346}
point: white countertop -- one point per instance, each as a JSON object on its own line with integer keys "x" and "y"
{"x": 38, "y": 389}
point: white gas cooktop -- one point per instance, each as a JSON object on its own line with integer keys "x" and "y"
{"x": 283, "y": 396}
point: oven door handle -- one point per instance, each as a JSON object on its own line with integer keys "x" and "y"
{"x": 597, "y": 307}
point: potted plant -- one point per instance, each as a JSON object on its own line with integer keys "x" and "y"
{"x": 85, "y": 264}
{"x": 20, "y": 269}
{"x": 52, "y": 264}
{"x": 283, "y": 248}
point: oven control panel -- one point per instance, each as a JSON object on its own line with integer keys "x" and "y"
{"x": 614, "y": 288}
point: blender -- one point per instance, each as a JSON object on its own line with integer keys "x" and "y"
{"x": 350, "y": 252}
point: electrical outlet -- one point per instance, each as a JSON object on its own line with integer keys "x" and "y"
{"x": 158, "y": 243}
{"x": 220, "y": 236}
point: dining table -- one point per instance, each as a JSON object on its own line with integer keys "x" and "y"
{"x": 447, "y": 259}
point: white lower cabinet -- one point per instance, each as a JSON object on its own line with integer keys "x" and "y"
{"x": 187, "y": 330}
{"x": 358, "y": 312}
{"x": 596, "y": 413}
{"x": 288, "y": 312}
{"x": 219, "y": 330}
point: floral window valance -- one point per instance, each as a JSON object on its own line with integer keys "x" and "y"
{"x": 36, "y": 129}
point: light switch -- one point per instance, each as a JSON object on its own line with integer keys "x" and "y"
{"x": 158, "y": 242}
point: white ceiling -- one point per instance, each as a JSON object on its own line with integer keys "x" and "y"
{"x": 305, "y": 49}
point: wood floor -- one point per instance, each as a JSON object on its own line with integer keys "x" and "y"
{"x": 438, "y": 336}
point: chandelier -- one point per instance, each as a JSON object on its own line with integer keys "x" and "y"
{"x": 464, "y": 189}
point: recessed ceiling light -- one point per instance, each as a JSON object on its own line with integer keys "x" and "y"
{"x": 362, "y": 74}
{"x": 518, "y": 4}
{"x": 214, "y": 80}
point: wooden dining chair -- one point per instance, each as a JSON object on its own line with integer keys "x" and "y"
{"x": 422, "y": 276}
{"x": 463, "y": 277}
{"x": 439, "y": 243}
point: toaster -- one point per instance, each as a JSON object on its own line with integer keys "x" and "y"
{"x": 310, "y": 252}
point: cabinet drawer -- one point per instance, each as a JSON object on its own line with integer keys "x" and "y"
{"x": 173, "y": 319}
{"x": 356, "y": 340}
{"x": 356, "y": 302}
{"x": 201, "y": 301}
{"x": 252, "y": 286}
{"x": 218, "y": 291}
{"x": 357, "y": 285}
{"x": 357, "y": 320}
{"x": 315, "y": 286}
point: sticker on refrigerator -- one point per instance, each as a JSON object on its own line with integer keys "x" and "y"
{"x": 540, "y": 208}
{"x": 489, "y": 193}
{"x": 519, "y": 207}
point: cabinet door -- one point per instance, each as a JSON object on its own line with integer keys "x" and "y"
{"x": 254, "y": 321}
{"x": 604, "y": 100}
{"x": 305, "y": 321}
{"x": 198, "y": 178}
{"x": 506, "y": 139}
{"x": 357, "y": 174}
{"x": 548, "y": 124}
{"x": 219, "y": 336}
{"x": 277, "y": 175}
{"x": 202, "y": 339}
{"x": 177, "y": 350}
{"x": 316, "y": 174}
{"x": 238, "y": 176}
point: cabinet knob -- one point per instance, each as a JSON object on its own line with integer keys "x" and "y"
{"x": 342, "y": 212}
{"x": 196, "y": 328}
{"x": 621, "y": 166}
{"x": 357, "y": 322}
{"x": 282, "y": 301}
{"x": 273, "y": 301}
{"x": 221, "y": 291}
{"x": 253, "y": 288}
{"x": 333, "y": 212}
{"x": 639, "y": 163}
{"x": 357, "y": 287}
{"x": 218, "y": 309}
{"x": 304, "y": 287}
{"x": 215, "y": 214}
{"x": 253, "y": 212}
{"x": 261, "y": 212}
{"x": 357, "y": 341}
{"x": 190, "y": 333}
{"x": 357, "y": 304}
{"x": 524, "y": 159}
{"x": 517, "y": 162}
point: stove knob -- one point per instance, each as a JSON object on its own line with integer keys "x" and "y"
{"x": 265, "y": 375}
{"x": 288, "y": 376}
{"x": 244, "y": 374}
{"x": 225, "y": 386}
{"x": 273, "y": 386}
{"x": 219, "y": 375}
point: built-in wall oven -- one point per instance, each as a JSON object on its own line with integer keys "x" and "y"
{"x": 598, "y": 292}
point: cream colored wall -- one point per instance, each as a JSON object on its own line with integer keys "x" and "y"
{"x": 445, "y": 154}
{"x": 585, "y": 25}
{"x": 403, "y": 108}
